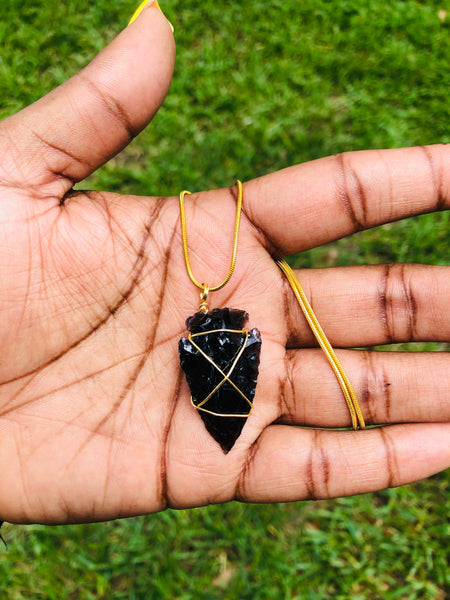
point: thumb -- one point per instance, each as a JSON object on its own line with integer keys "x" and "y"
{"x": 70, "y": 132}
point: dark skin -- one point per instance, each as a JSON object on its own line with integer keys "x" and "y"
{"x": 95, "y": 417}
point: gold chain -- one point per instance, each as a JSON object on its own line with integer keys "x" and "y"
{"x": 347, "y": 389}
{"x": 204, "y": 286}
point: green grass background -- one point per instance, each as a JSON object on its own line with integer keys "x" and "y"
{"x": 258, "y": 85}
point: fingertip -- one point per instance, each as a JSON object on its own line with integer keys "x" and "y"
{"x": 149, "y": 4}
{"x": 140, "y": 8}
{"x": 146, "y": 50}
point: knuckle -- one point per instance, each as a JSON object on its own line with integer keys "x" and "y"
{"x": 390, "y": 458}
{"x": 317, "y": 472}
{"x": 351, "y": 192}
{"x": 398, "y": 304}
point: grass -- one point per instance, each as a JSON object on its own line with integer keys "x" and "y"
{"x": 258, "y": 85}
{"x": 386, "y": 545}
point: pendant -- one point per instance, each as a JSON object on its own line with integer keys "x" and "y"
{"x": 220, "y": 359}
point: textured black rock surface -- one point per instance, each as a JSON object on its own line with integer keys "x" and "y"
{"x": 202, "y": 377}
{"x": 1, "y": 537}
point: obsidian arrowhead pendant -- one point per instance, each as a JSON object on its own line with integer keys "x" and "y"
{"x": 221, "y": 360}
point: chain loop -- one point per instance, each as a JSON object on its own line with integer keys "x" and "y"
{"x": 347, "y": 389}
{"x": 203, "y": 286}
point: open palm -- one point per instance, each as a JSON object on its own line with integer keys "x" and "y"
{"x": 95, "y": 417}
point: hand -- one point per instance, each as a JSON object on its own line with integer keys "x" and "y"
{"x": 95, "y": 417}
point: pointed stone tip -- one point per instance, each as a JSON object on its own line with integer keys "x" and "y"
{"x": 226, "y": 447}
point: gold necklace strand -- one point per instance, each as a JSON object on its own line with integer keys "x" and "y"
{"x": 203, "y": 286}
{"x": 347, "y": 389}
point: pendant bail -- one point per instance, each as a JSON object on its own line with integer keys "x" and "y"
{"x": 203, "y": 298}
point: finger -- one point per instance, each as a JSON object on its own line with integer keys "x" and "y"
{"x": 289, "y": 464}
{"x": 66, "y": 135}
{"x": 392, "y": 387}
{"x": 371, "y": 305}
{"x": 326, "y": 199}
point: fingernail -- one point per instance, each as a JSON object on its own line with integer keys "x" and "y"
{"x": 145, "y": 4}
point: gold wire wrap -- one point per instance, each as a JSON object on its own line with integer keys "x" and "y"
{"x": 226, "y": 376}
{"x": 347, "y": 389}
{"x": 204, "y": 286}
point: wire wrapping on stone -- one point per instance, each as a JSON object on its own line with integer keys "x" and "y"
{"x": 221, "y": 362}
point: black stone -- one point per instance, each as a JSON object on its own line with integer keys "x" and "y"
{"x": 1, "y": 537}
{"x": 222, "y": 347}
